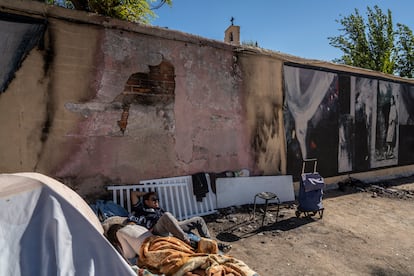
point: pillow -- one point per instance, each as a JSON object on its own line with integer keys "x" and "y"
{"x": 113, "y": 220}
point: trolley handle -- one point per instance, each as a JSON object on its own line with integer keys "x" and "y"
{"x": 315, "y": 163}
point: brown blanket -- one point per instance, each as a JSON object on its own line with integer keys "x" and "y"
{"x": 171, "y": 256}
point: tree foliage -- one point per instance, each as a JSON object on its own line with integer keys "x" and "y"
{"x": 140, "y": 11}
{"x": 374, "y": 43}
{"x": 405, "y": 51}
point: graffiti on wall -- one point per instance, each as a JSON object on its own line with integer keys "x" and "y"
{"x": 349, "y": 123}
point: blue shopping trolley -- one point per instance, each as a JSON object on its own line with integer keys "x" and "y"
{"x": 310, "y": 191}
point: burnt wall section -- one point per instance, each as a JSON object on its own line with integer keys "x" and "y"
{"x": 264, "y": 117}
{"x": 147, "y": 107}
{"x": 19, "y": 35}
{"x": 37, "y": 126}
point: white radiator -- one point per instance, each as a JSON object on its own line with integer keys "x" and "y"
{"x": 175, "y": 193}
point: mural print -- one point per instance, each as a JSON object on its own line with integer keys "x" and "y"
{"x": 311, "y": 118}
{"x": 386, "y": 132}
{"x": 406, "y": 125}
{"x": 362, "y": 98}
{"x": 345, "y": 143}
{"x": 349, "y": 123}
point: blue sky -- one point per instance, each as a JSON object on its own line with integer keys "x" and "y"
{"x": 296, "y": 27}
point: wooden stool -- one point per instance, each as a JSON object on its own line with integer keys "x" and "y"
{"x": 267, "y": 196}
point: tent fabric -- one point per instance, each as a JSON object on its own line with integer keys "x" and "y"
{"x": 48, "y": 229}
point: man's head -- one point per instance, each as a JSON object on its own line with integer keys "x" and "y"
{"x": 151, "y": 200}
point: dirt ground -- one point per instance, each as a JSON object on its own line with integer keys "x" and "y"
{"x": 366, "y": 229}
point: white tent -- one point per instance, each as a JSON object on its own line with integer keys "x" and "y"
{"x": 48, "y": 229}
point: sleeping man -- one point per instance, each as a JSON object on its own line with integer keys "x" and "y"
{"x": 172, "y": 256}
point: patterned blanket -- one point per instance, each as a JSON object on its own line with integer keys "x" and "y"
{"x": 171, "y": 256}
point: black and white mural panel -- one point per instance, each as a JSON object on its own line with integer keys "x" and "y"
{"x": 350, "y": 123}
{"x": 311, "y": 117}
{"x": 385, "y": 126}
{"x": 406, "y": 125}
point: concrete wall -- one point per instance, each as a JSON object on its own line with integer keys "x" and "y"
{"x": 64, "y": 120}
{"x": 69, "y": 112}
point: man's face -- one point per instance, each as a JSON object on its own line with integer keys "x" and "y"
{"x": 152, "y": 202}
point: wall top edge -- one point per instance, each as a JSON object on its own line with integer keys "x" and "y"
{"x": 51, "y": 12}
{"x": 41, "y": 10}
{"x": 287, "y": 58}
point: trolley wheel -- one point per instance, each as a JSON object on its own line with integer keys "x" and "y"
{"x": 309, "y": 214}
{"x": 320, "y": 213}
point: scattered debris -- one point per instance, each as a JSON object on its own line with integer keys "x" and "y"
{"x": 389, "y": 189}
{"x": 238, "y": 222}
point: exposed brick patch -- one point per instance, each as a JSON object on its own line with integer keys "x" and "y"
{"x": 157, "y": 86}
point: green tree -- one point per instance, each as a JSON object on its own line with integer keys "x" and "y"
{"x": 140, "y": 11}
{"x": 374, "y": 44}
{"x": 405, "y": 51}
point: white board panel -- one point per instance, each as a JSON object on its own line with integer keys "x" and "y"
{"x": 233, "y": 191}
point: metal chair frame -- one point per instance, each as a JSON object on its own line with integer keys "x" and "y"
{"x": 267, "y": 196}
